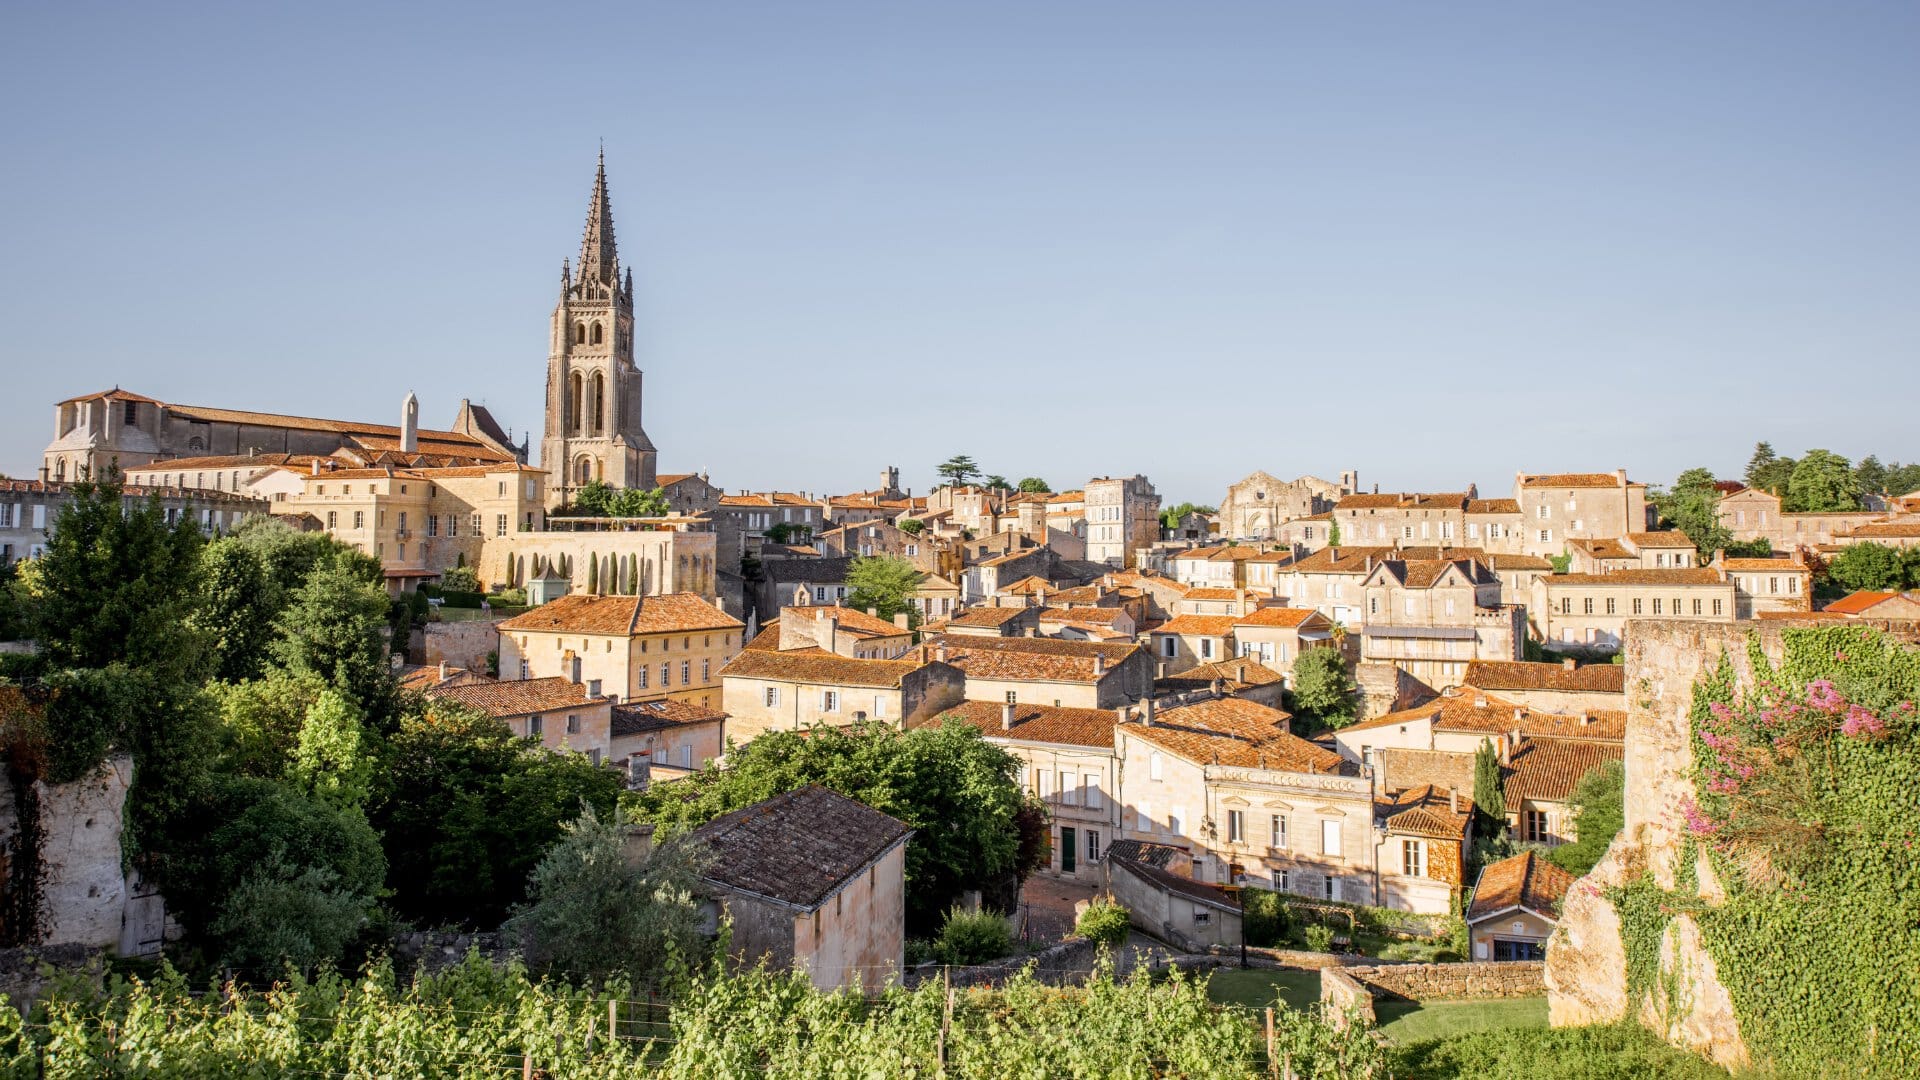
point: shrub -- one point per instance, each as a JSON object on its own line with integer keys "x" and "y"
{"x": 1319, "y": 938}
{"x": 973, "y": 937}
{"x": 1263, "y": 917}
{"x": 1104, "y": 923}
{"x": 460, "y": 579}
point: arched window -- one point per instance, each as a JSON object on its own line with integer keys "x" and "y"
{"x": 580, "y": 333}
{"x": 575, "y": 412}
{"x": 582, "y": 469}
{"x": 599, "y": 403}
{"x": 596, "y": 333}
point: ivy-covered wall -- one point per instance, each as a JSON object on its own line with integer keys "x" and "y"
{"x": 1777, "y": 904}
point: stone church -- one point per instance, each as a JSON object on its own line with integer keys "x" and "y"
{"x": 593, "y": 427}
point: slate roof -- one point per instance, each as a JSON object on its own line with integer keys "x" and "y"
{"x": 579, "y": 613}
{"x": 518, "y": 697}
{"x": 1546, "y": 770}
{"x": 1523, "y": 881}
{"x": 640, "y": 717}
{"x": 1033, "y": 723}
{"x": 1523, "y": 675}
{"x": 1145, "y": 851}
{"x": 797, "y": 849}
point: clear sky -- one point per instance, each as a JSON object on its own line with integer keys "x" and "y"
{"x": 1433, "y": 242}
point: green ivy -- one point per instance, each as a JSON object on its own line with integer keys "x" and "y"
{"x": 1820, "y": 954}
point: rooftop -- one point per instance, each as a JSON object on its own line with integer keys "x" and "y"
{"x": 579, "y": 613}
{"x": 1030, "y": 659}
{"x": 640, "y": 717}
{"x": 797, "y": 849}
{"x": 819, "y": 666}
{"x": 1033, "y": 723}
{"x": 1426, "y": 811}
{"x": 519, "y": 697}
{"x": 1522, "y": 675}
{"x": 1523, "y": 881}
{"x": 1546, "y": 770}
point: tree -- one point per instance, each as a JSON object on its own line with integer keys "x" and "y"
{"x": 459, "y": 579}
{"x": 465, "y": 811}
{"x": 594, "y": 497}
{"x": 1599, "y": 813}
{"x": 1872, "y": 476}
{"x": 1488, "y": 798}
{"x": 640, "y": 502}
{"x": 996, "y": 482}
{"x": 1323, "y": 689}
{"x": 958, "y": 792}
{"x": 333, "y": 631}
{"x": 1171, "y": 516}
{"x": 1903, "y": 479}
{"x": 1822, "y": 482}
{"x": 331, "y": 760}
{"x": 958, "y": 470}
{"x": 1333, "y": 532}
{"x": 912, "y": 526}
{"x": 238, "y": 605}
{"x": 885, "y": 584}
{"x": 593, "y": 911}
{"x": 1869, "y": 566}
{"x": 1767, "y": 471}
{"x": 1692, "y": 506}
{"x": 1036, "y": 485}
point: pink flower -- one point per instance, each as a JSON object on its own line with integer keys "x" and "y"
{"x": 1720, "y": 711}
{"x": 1698, "y": 823}
{"x": 1861, "y": 723}
{"x": 1822, "y": 695}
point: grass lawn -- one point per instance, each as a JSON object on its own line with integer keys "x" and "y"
{"x": 1255, "y": 987}
{"x": 1406, "y": 1022}
{"x": 1609, "y": 1052}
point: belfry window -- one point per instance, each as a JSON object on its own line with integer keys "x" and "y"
{"x": 580, "y": 333}
{"x": 596, "y": 333}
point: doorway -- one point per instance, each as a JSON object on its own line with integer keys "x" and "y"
{"x": 1067, "y": 854}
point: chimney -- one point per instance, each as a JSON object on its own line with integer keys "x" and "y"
{"x": 901, "y": 621}
{"x": 316, "y": 466}
{"x": 1146, "y": 709}
{"x": 1453, "y": 800}
{"x": 638, "y": 843}
{"x": 1099, "y": 664}
{"x": 1568, "y": 663}
{"x": 1119, "y": 714}
{"x": 443, "y": 671}
{"x": 1215, "y": 687}
{"x": 1006, "y": 717}
{"x": 1587, "y": 719}
{"x": 940, "y": 653}
{"x": 1479, "y": 699}
{"x": 639, "y": 772}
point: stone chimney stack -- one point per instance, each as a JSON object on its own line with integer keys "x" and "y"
{"x": 1453, "y": 800}
{"x": 638, "y": 844}
{"x": 1006, "y": 717}
{"x": 639, "y": 772}
{"x": 1099, "y": 664}
{"x": 410, "y": 424}
{"x": 940, "y": 653}
{"x": 1146, "y": 710}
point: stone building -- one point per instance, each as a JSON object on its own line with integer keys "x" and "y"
{"x": 1763, "y": 586}
{"x": 593, "y": 429}
{"x": 1516, "y": 905}
{"x": 1589, "y": 612}
{"x": 1403, "y": 519}
{"x": 812, "y": 881}
{"x": 1277, "y": 636}
{"x": 1259, "y": 504}
{"x": 1559, "y": 507}
{"x": 1567, "y": 687}
{"x": 628, "y": 648}
{"x": 771, "y": 690}
{"x": 562, "y": 713}
{"x": 1432, "y": 617}
{"x": 28, "y": 509}
{"x": 1123, "y": 515}
{"x": 1752, "y": 514}
{"x": 673, "y": 737}
{"x": 1047, "y": 671}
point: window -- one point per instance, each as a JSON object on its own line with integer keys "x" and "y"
{"x": 1279, "y": 830}
{"x": 706, "y": 671}
{"x": 1587, "y": 606}
{"x": 433, "y": 524}
{"x": 1206, "y": 648}
{"x": 686, "y": 756}
{"x": 479, "y": 525}
{"x": 1090, "y": 783}
{"x": 640, "y": 678}
{"x": 593, "y": 687}
{"x": 1282, "y": 881}
{"x": 534, "y": 726}
{"x": 1175, "y": 816}
{"x": 1696, "y": 607}
{"x": 1236, "y": 827}
{"x": 1566, "y": 605}
{"x": 1093, "y": 845}
{"x": 1716, "y": 606}
{"x": 773, "y": 696}
{"x": 333, "y": 520}
{"x": 1329, "y": 837}
{"x": 666, "y": 674}
{"x": 1546, "y": 536}
{"x": 359, "y": 519}
{"x": 1169, "y": 646}
{"x": 1332, "y": 884}
{"x": 1534, "y": 826}
{"x": 1200, "y": 915}
{"x": 132, "y": 414}
{"x": 573, "y": 723}
{"x": 1413, "y": 856}
{"x": 829, "y": 701}
{"x": 686, "y": 673}
{"x": 1656, "y": 605}
{"x": 1611, "y": 602}
{"x": 1154, "y": 771}
{"x": 500, "y": 525}
{"x": 1069, "y": 795}
{"x": 1636, "y": 605}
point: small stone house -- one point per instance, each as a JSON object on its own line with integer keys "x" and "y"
{"x": 814, "y": 881}
{"x": 1516, "y": 905}
{"x": 674, "y": 736}
{"x": 559, "y": 712}
{"x": 1191, "y": 914}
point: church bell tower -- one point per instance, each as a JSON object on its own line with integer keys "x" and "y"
{"x": 593, "y": 427}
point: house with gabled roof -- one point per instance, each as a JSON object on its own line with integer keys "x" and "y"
{"x": 629, "y": 648}
{"x": 560, "y": 713}
{"x": 814, "y": 881}
{"x": 1516, "y": 905}
{"x": 1431, "y": 617}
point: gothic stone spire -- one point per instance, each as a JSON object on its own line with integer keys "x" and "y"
{"x": 599, "y": 259}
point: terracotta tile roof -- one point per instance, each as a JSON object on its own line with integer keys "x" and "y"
{"x": 1203, "y": 625}
{"x": 852, "y": 621}
{"x": 1238, "y": 733}
{"x": 1521, "y": 675}
{"x": 1523, "y": 881}
{"x": 1855, "y": 603}
{"x": 1485, "y": 714}
{"x": 819, "y": 666}
{"x": 1341, "y": 560}
{"x": 1665, "y": 538}
{"x": 1782, "y": 615}
{"x": 1277, "y": 616}
{"x": 227, "y": 461}
{"x": 671, "y": 478}
{"x": 1546, "y": 770}
{"x": 1085, "y": 595}
{"x": 1242, "y": 673}
{"x": 1493, "y": 506}
{"x": 519, "y": 697}
{"x": 421, "y": 677}
{"x": 1274, "y": 556}
{"x": 579, "y": 613}
{"x": 1685, "y": 576}
{"x": 1571, "y": 480}
{"x": 1497, "y": 563}
{"x": 115, "y": 394}
{"x": 1770, "y": 566}
{"x": 1096, "y": 615}
{"x": 988, "y": 616}
{"x": 343, "y": 427}
{"x": 1067, "y": 496}
{"x": 1030, "y": 659}
{"x": 1030, "y": 583}
{"x": 1425, "y": 811}
{"x": 1605, "y": 549}
{"x": 1426, "y": 573}
{"x": 1196, "y": 891}
{"x": 1033, "y": 723}
{"x": 1889, "y": 530}
{"x": 640, "y": 717}
{"x": 1200, "y": 592}
{"x": 799, "y": 848}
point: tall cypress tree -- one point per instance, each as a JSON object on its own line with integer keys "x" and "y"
{"x": 1487, "y": 797}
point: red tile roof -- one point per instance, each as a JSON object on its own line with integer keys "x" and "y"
{"x": 640, "y": 717}
{"x": 579, "y": 613}
{"x": 1521, "y": 675}
{"x": 1485, "y": 714}
{"x": 1546, "y": 770}
{"x": 1683, "y": 576}
{"x": 1277, "y": 616}
{"x": 1571, "y": 480}
{"x": 816, "y": 666}
{"x": 1666, "y": 538}
{"x": 1033, "y": 723}
{"x": 1523, "y": 881}
{"x": 1856, "y": 603}
{"x": 519, "y": 697}
{"x": 1030, "y": 659}
{"x": 1426, "y": 811}
{"x": 1202, "y": 625}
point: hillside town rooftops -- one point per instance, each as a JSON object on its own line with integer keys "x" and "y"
{"x": 626, "y": 615}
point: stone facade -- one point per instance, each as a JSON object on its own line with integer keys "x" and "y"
{"x": 1123, "y": 515}
{"x": 84, "y": 892}
{"x": 28, "y": 509}
{"x": 1257, "y": 506}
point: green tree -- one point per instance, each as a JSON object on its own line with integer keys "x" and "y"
{"x": 958, "y": 792}
{"x": 1869, "y": 566}
{"x": 912, "y": 526}
{"x": 639, "y": 502}
{"x": 958, "y": 470}
{"x": 1872, "y": 476}
{"x": 1035, "y": 484}
{"x": 1170, "y": 517}
{"x": 1599, "y": 813}
{"x": 459, "y": 579}
{"x": 883, "y": 583}
{"x": 331, "y": 761}
{"x": 1692, "y": 506}
{"x": 1767, "y": 471}
{"x": 333, "y": 631}
{"x": 260, "y": 722}
{"x": 281, "y": 914}
{"x": 1822, "y": 482}
{"x": 118, "y": 584}
{"x": 593, "y": 575}
{"x": 1903, "y": 479}
{"x": 465, "y": 811}
{"x": 1323, "y": 689}
{"x": 996, "y": 482}
{"x": 594, "y": 497}
{"x": 1333, "y": 532}
{"x": 239, "y": 603}
{"x": 593, "y": 911}
{"x": 1489, "y": 800}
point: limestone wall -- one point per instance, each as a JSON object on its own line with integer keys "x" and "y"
{"x": 463, "y": 644}
{"x": 1586, "y": 966}
{"x": 1349, "y": 992}
{"x": 81, "y": 888}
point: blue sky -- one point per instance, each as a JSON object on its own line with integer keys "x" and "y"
{"x": 1436, "y": 243}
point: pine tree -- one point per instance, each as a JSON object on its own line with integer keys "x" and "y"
{"x": 1487, "y": 796}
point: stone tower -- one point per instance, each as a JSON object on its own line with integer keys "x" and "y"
{"x": 593, "y": 427}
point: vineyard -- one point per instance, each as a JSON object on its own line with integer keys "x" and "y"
{"x": 481, "y": 1020}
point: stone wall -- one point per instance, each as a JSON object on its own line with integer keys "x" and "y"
{"x": 1586, "y": 965}
{"x": 1345, "y": 999}
{"x": 81, "y": 889}
{"x": 432, "y": 951}
{"x": 463, "y": 644}
{"x": 1350, "y": 991}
